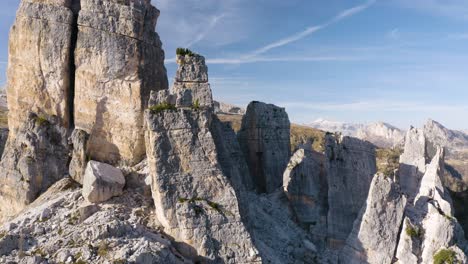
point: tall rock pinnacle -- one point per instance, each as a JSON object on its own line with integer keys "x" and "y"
{"x": 118, "y": 61}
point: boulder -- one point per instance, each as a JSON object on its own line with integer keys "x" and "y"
{"x": 351, "y": 165}
{"x": 119, "y": 60}
{"x": 102, "y": 182}
{"x": 79, "y": 145}
{"x": 35, "y": 157}
{"x": 265, "y": 140}
{"x": 305, "y": 185}
{"x": 375, "y": 233}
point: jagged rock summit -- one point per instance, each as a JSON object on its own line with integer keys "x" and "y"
{"x": 105, "y": 164}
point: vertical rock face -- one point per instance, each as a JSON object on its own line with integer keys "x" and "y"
{"x": 351, "y": 167}
{"x": 39, "y": 62}
{"x": 34, "y": 159}
{"x": 306, "y": 187}
{"x": 195, "y": 200}
{"x": 265, "y": 140}
{"x": 412, "y": 162}
{"x": 375, "y": 234}
{"x": 119, "y": 60}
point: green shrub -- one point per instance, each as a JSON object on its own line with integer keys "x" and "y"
{"x": 196, "y": 105}
{"x": 215, "y": 206}
{"x": 103, "y": 249}
{"x": 162, "y": 107}
{"x": 184, "y": 52}
{"x": 41, "y": 120}
{"x": 414, "y": 231}
{"x": 445, "y": 256}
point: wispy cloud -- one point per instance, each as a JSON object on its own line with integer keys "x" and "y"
{"x": 454, "y": 9}
{"x": 242, "y": 60}
{"x": 376, "y": 105}
{"x": 282, "y": 59}
{"x": 212, "y": 23}
{"x": 393, "y": 34}
{"x": 312, "y": 29}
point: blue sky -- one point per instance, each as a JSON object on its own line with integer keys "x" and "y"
{"x": 399, "y": 61}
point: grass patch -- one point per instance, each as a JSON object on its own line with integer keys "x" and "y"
{"x": 414, "y": 231}
{"x": 196, "y": 105}
{"x": 103, "y": 249}
{"x": 162, "y": 107}
{"x": 445, "y": 256}
{"x": 388, "y": 160}
{"x": 41, "y": 121}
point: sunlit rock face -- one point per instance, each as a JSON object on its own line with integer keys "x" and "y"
{"x": 39, "y": 67}
{"x": 118, "y": 60}
{"x": 193, "y": 180}
{"x": 375, "y": 233}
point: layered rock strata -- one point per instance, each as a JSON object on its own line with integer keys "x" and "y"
{"x": 118, "y": 60}
{"x": 351, "y": 165}
{"x": 195, "y": 200}
{"x": 265, "y": 140}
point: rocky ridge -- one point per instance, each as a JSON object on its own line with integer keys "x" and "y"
{"x": 76, "y": 188}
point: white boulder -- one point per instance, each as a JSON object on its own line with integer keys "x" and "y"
{"x": 102, "y": 182}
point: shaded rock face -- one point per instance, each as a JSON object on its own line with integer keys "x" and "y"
{"x": 375, "y": 233}
{"x": 195, "y": 200}
{"x": 118, "y": 61}
{"x": 278, "y": 238}
{"x": 3, "y": 140}
{"x": 79, "y": 144}
{"x": 34, "y": 159}
{"x": 265, "y": 140}
{"x": 101, "y": 182}
{"x": 351, "y": 165}
{"x": 305, "y": 185}
{"x": 39, "y": 62}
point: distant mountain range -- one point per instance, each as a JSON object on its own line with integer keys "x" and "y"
{"x": 380, "y": 134}
{"x": 386, "y": 135}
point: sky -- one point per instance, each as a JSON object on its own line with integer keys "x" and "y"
{"x": 398, "y": 61}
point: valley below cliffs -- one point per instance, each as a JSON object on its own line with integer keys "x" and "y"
{"x": 102, "y": 161}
